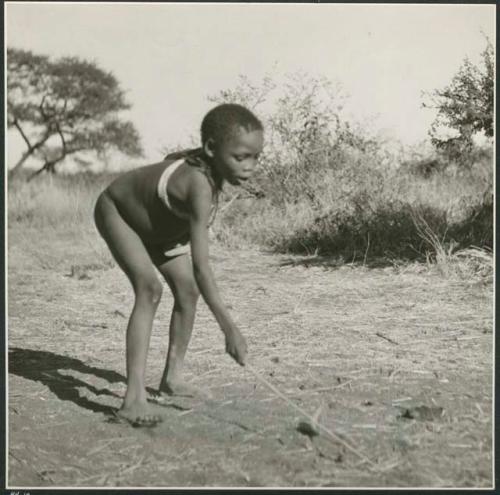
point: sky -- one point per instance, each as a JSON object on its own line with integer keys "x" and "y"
{"x": 169, "y": 57}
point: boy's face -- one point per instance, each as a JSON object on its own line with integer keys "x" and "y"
{"x": 236, "y": 157}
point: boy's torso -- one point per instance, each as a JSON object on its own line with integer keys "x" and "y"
{"x": 136, "y": 197}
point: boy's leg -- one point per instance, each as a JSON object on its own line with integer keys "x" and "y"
{"x": 178, "y": 273}
{"x": 131, "y": 255}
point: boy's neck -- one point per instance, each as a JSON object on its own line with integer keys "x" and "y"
{"x": 200, "y": 154}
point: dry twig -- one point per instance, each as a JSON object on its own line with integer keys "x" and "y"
{"x": 330, "y": 433}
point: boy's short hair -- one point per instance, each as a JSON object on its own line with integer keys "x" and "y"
{"x": 220, "y": 122}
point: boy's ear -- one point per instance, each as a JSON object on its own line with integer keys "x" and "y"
{"x": 209, "y": 147}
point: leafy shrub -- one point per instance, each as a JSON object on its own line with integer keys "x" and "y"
{"x": 465, "y": 109}
{"x": 329, "y": 187}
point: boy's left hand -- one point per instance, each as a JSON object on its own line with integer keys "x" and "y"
{"x": 236, "y": 346}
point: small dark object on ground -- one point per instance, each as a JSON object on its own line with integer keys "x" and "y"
{"x": 422, "y": 413}
{"x": 307, "y": 428}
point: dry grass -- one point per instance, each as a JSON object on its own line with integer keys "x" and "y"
{"x": 374, "y": 346}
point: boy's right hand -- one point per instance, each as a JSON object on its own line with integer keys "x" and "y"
{"x": 236, "y": 346}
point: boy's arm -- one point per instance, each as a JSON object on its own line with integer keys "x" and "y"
{"x": 200, "y": 200}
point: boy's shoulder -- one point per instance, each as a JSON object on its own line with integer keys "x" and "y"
{"x": 192, "y": 154}
{"x": 197, "y": 178}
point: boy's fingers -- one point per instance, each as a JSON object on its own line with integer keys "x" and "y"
{"x": 237, "y": 353}
{"x": 237, "y": 357}
{"x": 242, "y": 357}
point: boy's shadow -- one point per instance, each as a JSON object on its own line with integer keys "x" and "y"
{"x": 45, "y": 366}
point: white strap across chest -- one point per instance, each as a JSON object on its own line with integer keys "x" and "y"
{"x": 162, "y": 188}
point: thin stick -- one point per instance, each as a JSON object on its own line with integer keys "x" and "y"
{"x": 366, "y": 252}
{"x": 230, "y": 202}
{"x": 381, "y": 335}
{"x": 313, "y": 421}
{"x": 103, "y": 446}
{"x": 324, "y": 389}
{"x": 132, "y": 467}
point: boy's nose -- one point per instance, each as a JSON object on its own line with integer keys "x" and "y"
{"x": 250, "y": 167}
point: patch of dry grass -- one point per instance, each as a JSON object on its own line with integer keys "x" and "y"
{"x": 367, "y": 344}
{"x": 55, "y": 209}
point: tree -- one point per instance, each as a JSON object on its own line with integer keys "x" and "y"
{"x": 65, "y": 106}
{"x": 465, "y": 107}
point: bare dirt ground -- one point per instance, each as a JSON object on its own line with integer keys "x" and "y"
{"x": 400, "y": 360}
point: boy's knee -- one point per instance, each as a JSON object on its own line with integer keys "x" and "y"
{"x": 187, "y": 296}
{"x": 151, "y": 290}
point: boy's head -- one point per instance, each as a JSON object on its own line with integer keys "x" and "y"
{"x": 223, "y": 121}
{"x": 232, "y": 136}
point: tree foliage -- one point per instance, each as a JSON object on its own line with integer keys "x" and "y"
{"x": 65, "y": 106}
{"x": 465, "y": 107}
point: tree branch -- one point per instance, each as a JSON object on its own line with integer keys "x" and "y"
{"x": 41, "y": 108}
{"x": 50, "y": 164}
{"x": 61, "y": 135}
{"x": 15, "y": 123}
{"x": 46, "y": 117}
{"x": 30, "y": 151}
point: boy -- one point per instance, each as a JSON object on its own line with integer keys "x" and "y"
{"x": 154, "y": 216}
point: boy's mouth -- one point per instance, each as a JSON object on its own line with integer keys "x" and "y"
{"x": 236, "y": 181}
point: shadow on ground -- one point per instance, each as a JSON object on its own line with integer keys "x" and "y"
{"x": 45, "y": 367}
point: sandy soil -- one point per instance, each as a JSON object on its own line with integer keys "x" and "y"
{"x": 399, "y": 359}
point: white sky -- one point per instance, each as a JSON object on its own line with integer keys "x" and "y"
{"x": 170, "y": 57}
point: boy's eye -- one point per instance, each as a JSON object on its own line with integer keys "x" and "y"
{"x": 240, "y": 158}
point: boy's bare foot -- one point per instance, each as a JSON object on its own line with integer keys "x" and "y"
{"x": 183, "y": 389}
{"x": 139, "y": 414}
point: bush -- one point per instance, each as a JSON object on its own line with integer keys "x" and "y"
{"x": 465, "y": 109}
{"x": 329, "y": 187}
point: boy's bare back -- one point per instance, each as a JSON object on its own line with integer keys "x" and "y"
{"x": 136, "y": 197}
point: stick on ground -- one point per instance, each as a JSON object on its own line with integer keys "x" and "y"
{"x": 330, "y": 433}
